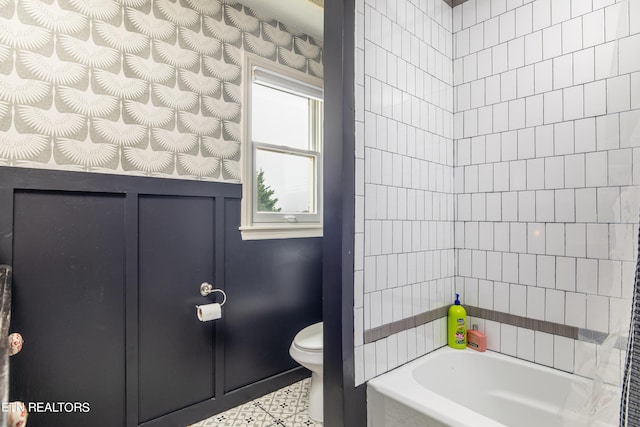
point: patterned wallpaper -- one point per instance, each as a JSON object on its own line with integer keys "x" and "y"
{"x": 135, "y": 87}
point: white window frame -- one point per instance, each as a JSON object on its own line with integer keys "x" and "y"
{"x": 258, "y": 226}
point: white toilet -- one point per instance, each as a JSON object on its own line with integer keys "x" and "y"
{"x": 306, "y": 349}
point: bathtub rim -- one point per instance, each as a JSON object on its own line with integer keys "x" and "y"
{"x": 414, "y": 394}
{"x": 400, "y": 385}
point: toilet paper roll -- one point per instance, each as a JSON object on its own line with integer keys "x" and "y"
{"x": 209, "y": 312}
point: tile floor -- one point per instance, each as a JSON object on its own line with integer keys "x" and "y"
{"x": 286, "y": 407}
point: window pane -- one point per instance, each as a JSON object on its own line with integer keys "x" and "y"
{"x": 279, "y": 118}
{"x": 285, "y": 182}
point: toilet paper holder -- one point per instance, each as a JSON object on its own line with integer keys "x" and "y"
{"x": 207, "y": 288}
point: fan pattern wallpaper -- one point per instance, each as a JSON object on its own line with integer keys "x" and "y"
{"x": 135, "y": 87}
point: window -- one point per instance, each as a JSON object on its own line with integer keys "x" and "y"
{"x": 282, "y": 178}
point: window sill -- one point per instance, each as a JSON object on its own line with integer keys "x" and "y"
{"x": 278, "y": 231}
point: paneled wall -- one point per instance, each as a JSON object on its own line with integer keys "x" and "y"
{"x": 144, "y": 88}
{"x": 106, "y": 278}
{"x": 547, "y": 130}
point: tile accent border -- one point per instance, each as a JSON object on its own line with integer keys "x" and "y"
{"x": 586, "y": 335}
{"x": 384, "y": 331}
{"x": 524, "y": 322}
{"x": 599, "y": 338}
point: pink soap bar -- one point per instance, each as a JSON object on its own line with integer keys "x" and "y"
{"x": 476, "y": 340}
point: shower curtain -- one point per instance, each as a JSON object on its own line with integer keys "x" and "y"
{"x": 5, "y": 317}
{"x": 630, "y": 402}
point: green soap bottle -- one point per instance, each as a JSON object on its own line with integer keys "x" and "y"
{"x": 457, "y": 325}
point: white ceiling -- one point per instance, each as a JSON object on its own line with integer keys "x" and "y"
{"x": 302, "y": 15}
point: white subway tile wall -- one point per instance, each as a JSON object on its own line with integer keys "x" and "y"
{"x": 497, "y": 155}
{"x": 404, "y": 168}
{"x": 564, "y": 202}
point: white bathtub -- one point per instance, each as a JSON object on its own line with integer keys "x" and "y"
{"x": 465, "y": 388}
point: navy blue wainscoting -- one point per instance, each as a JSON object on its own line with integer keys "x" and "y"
{"x": 106, "y": 275}
{"x": 278, "y": 287}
